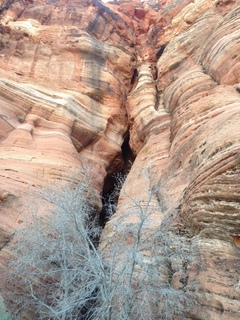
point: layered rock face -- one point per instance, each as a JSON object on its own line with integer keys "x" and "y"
{"x": 63, "y": 95}
{"x": 78, "y": 77}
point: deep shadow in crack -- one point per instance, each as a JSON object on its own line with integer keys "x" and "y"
{"x": 113, "y": 182}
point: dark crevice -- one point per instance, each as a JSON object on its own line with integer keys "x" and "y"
{"x": 113, "y": 182}
{"x": 159, "y": 52}
{"x": 134, "y": 77}
{"x": 128, "y": 156}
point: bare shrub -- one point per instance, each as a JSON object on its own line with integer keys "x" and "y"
{"x": 55, "y": 253}
{"x": 59, "y": 273}
{"x": 142, "y": 259}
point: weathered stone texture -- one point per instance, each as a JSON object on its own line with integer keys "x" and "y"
{"x": 69, "y": 96}
{"x": 184, "y": 129}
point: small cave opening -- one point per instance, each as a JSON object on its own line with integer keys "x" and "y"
{"x": 113, "y": 183}
{"x": 160, "y": 50}
{"x": 134, "y": 80}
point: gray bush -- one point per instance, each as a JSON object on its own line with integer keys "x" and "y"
{"x": 60, "y": 274}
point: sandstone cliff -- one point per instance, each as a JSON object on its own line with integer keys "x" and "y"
{"x": 90, "y": 83}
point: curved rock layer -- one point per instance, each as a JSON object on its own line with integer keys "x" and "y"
{"x": 62, "y": 96}
{"x": 184, "y": 131}
{"x": 78, "y": 76}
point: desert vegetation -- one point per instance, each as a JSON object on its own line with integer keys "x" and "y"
{"x": 60, "y": 272}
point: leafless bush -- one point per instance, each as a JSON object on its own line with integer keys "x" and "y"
{"x": 142, "y": 260}
{"x": 55, "y": 253}
{"x": 59, "y": 273}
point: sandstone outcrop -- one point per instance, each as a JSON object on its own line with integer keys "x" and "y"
{"x": 78, "y": 77}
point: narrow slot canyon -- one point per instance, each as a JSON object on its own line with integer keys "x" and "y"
{"x": 113, "y": 183}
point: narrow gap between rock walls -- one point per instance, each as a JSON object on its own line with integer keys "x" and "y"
{"x": 110, "y": 195}
{"x": 113, "y": 182}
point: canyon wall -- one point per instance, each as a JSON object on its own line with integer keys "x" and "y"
{"x": 90, "y": 84}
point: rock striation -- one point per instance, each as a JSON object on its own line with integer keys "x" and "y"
{"x": 78, "y": 77}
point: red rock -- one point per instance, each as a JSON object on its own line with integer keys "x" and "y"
{"x": 140, "y": 13}
{"x": 127, "y": 9}
{"x": 68, "y": 97}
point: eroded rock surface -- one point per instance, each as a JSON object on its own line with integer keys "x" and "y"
{"x": 78, "y": 76}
